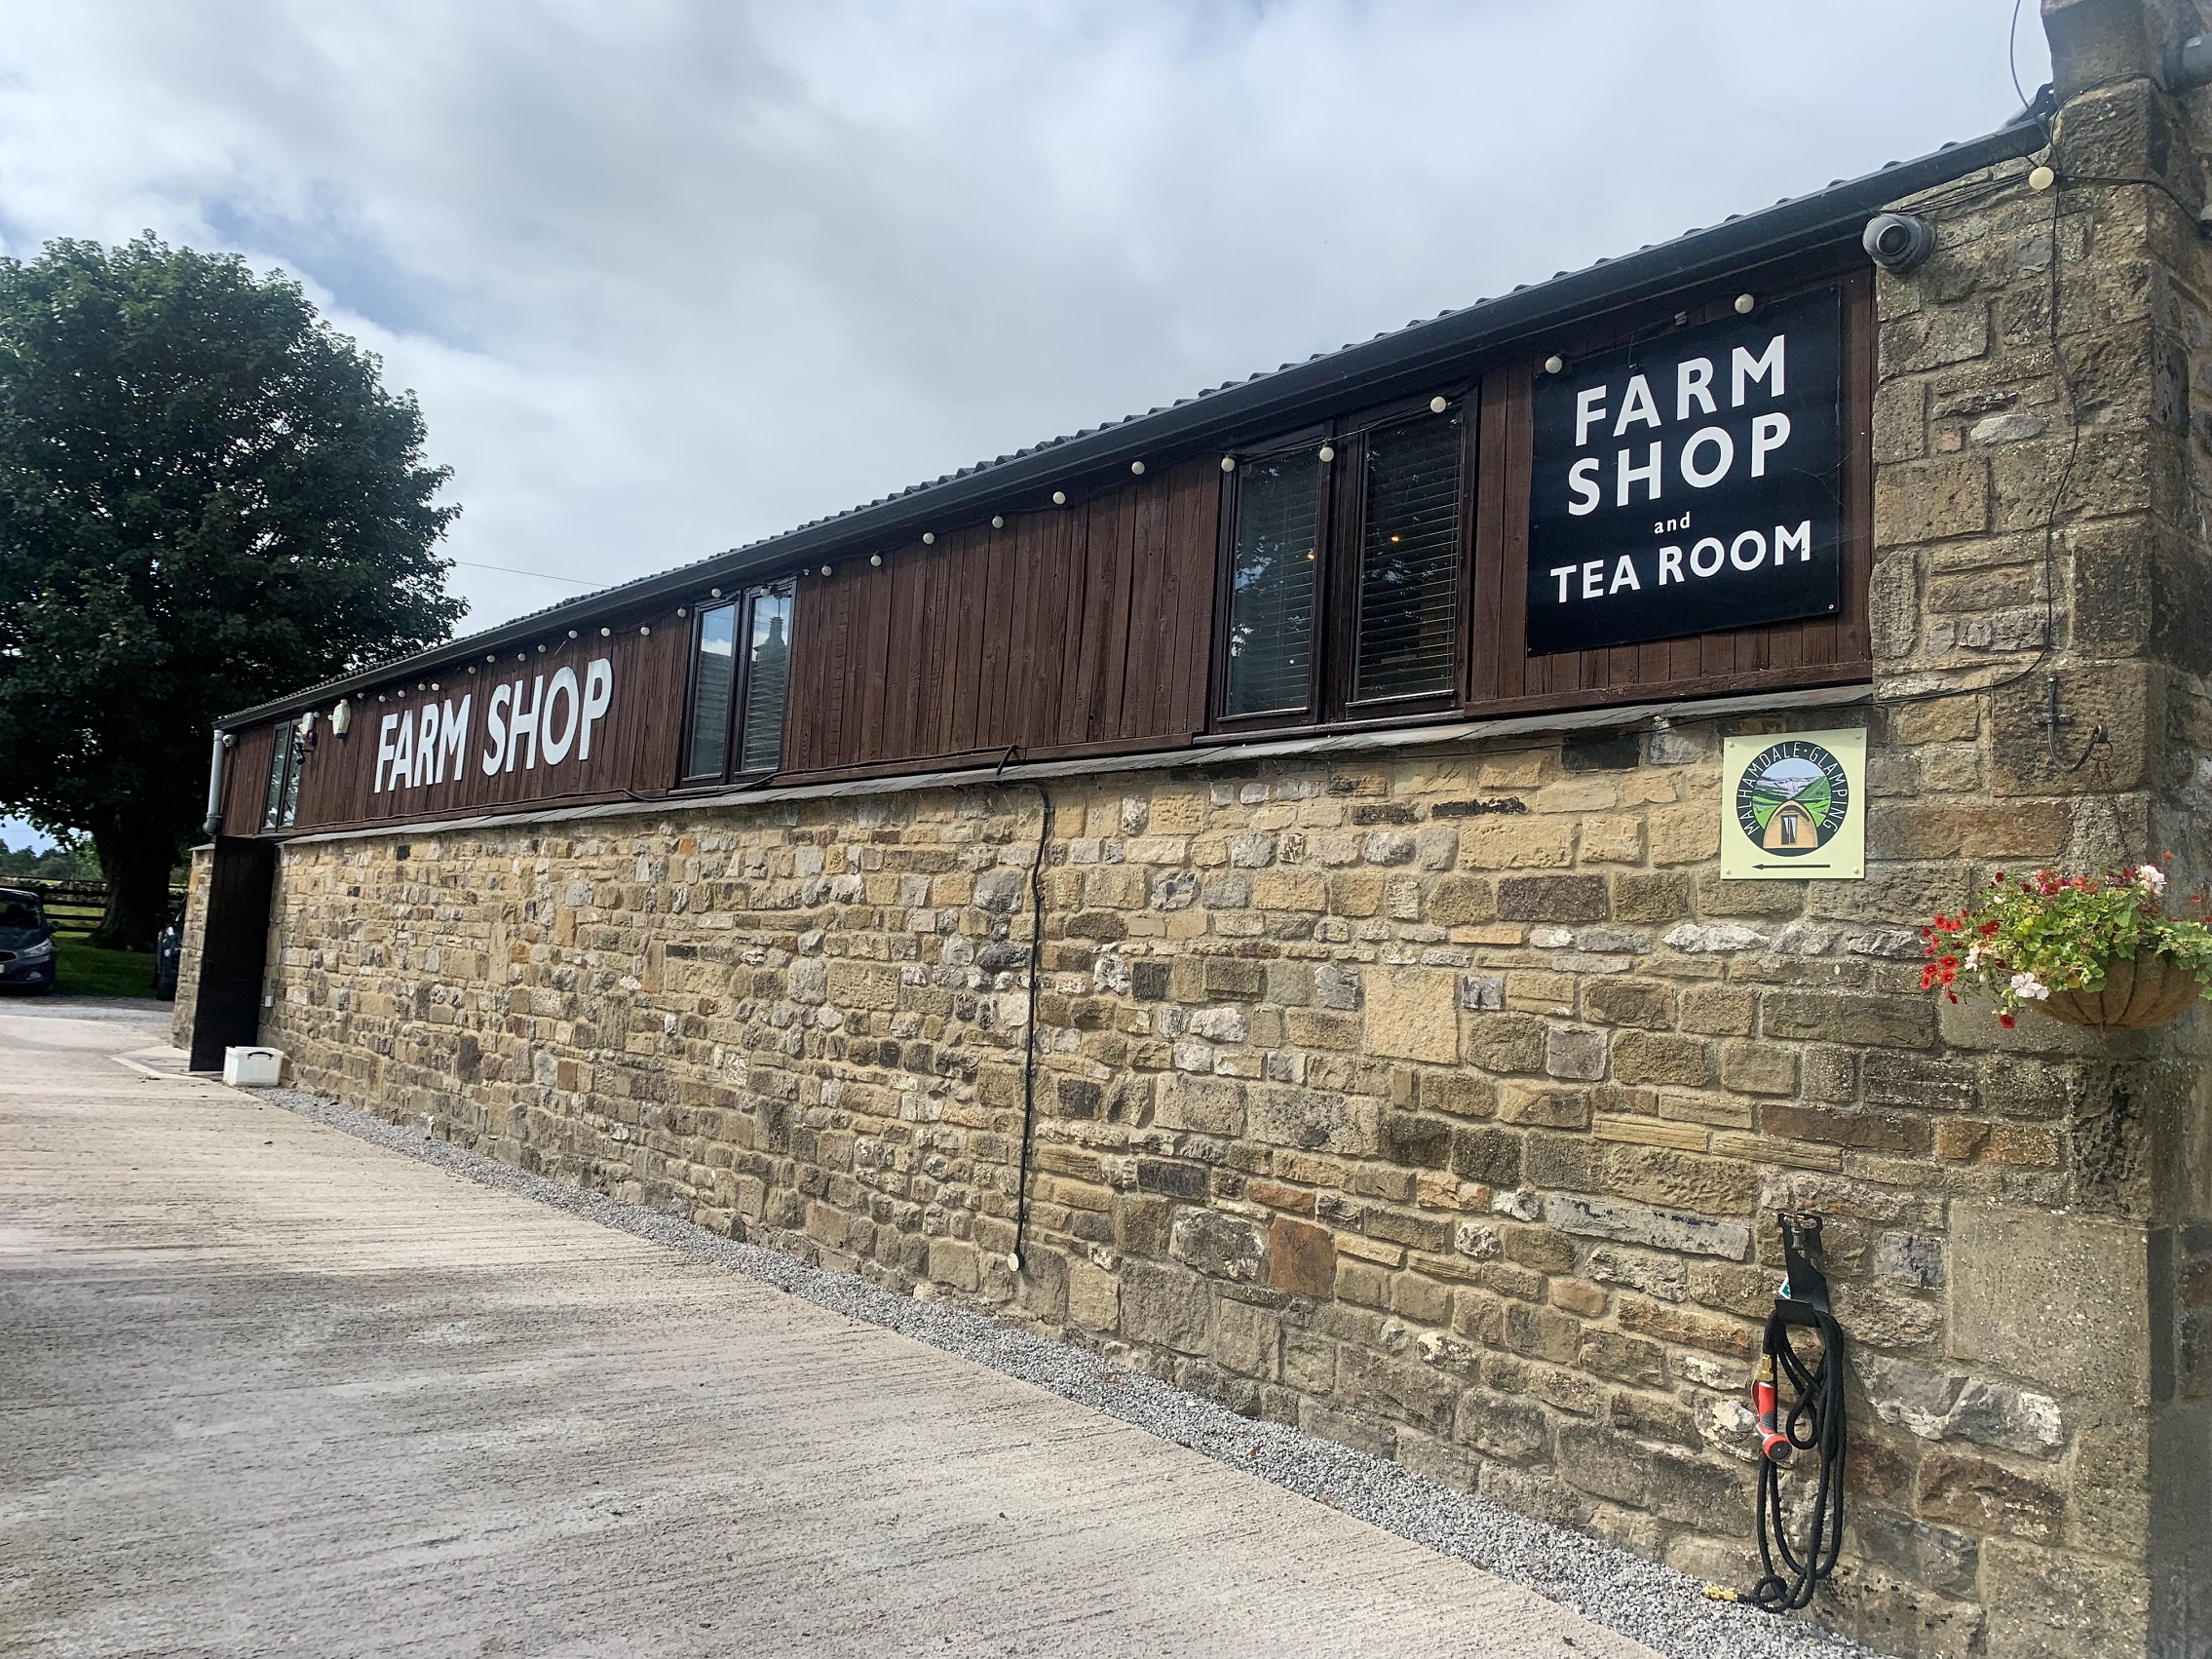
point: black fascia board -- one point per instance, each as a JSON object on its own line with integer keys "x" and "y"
{"x": 1247, "y": 409}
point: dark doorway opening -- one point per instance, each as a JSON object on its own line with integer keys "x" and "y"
{"x": 233, "y": 949}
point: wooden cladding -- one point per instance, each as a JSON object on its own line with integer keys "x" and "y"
{"x": 1100, "y": 626}
{"x": 1072, "y": 628}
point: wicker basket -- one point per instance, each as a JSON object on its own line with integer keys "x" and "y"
{"x": 2147, "y": 991}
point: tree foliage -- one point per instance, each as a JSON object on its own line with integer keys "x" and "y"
{"x": 207, "y": 499}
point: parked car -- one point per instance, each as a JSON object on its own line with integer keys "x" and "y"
{"x": 26, "y": 942}
{"x": 169, "y": 950}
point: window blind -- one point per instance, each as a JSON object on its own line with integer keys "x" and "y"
{"x": 1271, "y": 618}
{"x": 1409, "y": 585}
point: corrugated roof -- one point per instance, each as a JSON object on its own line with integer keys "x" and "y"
{"x": 1244, "y": 408}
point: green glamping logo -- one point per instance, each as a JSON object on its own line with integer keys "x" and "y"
{"x": 1796, "y": 806}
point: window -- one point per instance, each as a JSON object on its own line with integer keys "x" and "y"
{"x": 1346, "y": 573}
{"x": 741, "y": 679}
{"x": 1271, "y": 586}
{"x": 287, "y": 754}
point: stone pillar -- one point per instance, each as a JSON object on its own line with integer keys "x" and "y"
{"x": 2044, "y": 459}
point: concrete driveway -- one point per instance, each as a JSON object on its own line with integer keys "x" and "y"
{"x": 267, "y": 1389}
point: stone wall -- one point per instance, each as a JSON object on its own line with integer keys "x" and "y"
{"x": 1441, "y": 1103}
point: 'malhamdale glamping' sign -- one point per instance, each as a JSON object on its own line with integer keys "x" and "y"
{"x": 1689, "y": 484}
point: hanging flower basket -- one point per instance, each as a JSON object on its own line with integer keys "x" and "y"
{"x": 2099, "y": 951}
{"x": 2138, "y": 994}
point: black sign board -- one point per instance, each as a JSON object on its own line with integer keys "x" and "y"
{"x": 1689, "y": 483}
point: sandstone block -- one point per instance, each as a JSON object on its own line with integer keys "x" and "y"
{"x": 2060, "y": 1298}
{"x": 1642, "y": 1225}
{"x": 1222, "y": 1246}
{"x": 1164, "y": 1307}
{"x": 1533, "y": 1106}
{"x": 1574, "y": 1053}
{"x": 1093, "y": 1297}
{"x": 1630, "y": 1002}
{"x": 1412, "y": 1013}
{"x": 1507, "y": 1042}
{"x": 1460, "y": 901}
{"x": 1313, "y": 1120}
{"x": 1301, "y": 1258}
{"x": 1972, "y": 1491}
{"x": 1658, "y": 1057}
{"x": 1552, "y": 899}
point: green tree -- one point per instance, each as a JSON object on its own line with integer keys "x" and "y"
{"x": 207, "y": 498}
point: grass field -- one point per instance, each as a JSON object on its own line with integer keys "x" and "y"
{"x": 86, "y": 972}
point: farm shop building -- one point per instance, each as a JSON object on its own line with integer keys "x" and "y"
{"x": 1266, "y": 866}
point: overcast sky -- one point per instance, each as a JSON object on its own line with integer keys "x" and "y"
{"x": 669, "y": 277}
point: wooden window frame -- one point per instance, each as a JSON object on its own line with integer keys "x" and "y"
{"x": 1341, "y": 523}
{"x": 740, "y": 687}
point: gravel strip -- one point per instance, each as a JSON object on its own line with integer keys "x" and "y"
{"x": 1654, "y": 1604}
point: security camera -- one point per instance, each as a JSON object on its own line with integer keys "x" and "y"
{"x": 1898, "y": 242}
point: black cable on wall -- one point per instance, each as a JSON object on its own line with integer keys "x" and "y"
{"x": 1029, "y": 1026}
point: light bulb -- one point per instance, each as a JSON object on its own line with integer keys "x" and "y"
{"x": 998, "y": 522}
{"x": 1136, "y": 469}
{"x": 1059, "y": 498}
{"x": 1437, "y": 405}
{"x": 1744, "y": 304}
{"x": 876, "y": 559}
{"x": 1554, "y": 365}
{"x": 928, "y": 538}
{"x": 1329, "y": 453}
{"x": 1228, "y": 463}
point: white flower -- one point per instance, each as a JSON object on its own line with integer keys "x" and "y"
{"x": 2028, "y": 986}
{"x": 2152, "y": 877}
{"x": 1973, "y": 957}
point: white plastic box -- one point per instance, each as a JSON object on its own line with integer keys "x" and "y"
{"x": 252, "y": 1068}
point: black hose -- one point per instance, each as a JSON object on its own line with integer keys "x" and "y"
{"x": 1814, "y": 1423}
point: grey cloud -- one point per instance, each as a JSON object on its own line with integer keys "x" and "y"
{"x": 669, "y": 277}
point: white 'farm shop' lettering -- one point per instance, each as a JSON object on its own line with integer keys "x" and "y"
{"x": 550, "y": 722}
{"x": 1705, "y": 457}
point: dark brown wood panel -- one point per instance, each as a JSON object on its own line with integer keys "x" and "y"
{"x": 1066, "y": 628}
{"x": 245, "y": 781}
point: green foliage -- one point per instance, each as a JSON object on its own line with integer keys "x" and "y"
{"x": 84, "y": 970}
{"x": 2027, "y": 937}
{"x": 70, "y": 861}
{"x": 207, "y": 499}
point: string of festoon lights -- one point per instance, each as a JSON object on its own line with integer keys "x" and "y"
{"x": 492, "y": 659}
{"x": 1327, "y": 452}
{"x": 1060, "y": 498}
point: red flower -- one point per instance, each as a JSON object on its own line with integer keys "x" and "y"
{"x": 2007, "y": 1021}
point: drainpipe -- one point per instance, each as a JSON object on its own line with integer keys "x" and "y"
{"x": 215, "y": 785}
